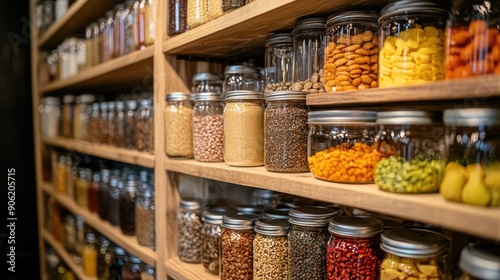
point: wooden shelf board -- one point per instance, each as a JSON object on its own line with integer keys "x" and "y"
{"x": 180, "y": 270}
{"x": 427, "y": 208}
{"x": 129, "y": 243}
{"x": 63, "y": 254}
{"x": 133, "y": 69}
{"x": 104, "y": 151}
{"x": 243, "y": 31}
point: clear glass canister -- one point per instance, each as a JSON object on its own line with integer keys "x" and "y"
{"x": 354, "y": 248}
{"x": 67, "y": 115}
{"x": 197, "y": 12}
{"x": 118, "y": 262}
{"x": 119, "y": 30}
{"x": 104, "y": 258}
{"x": 82, "y": 185}
{"x": 110, "y": 122}
{"x": 206, "y": 82}
{"x": 128, "y": 197}
{"x": 285, "y": 132}
{"x": 412, "y": 43}
{"x": 307, "y": 242}
{"x": 96, "y": 58}
{"x": 414, "y": 253}
{"x": 132, "y": 268}
{"x": 93, "y": 189}
{"x": 230, "y": 5}
{"x": 149, "y": 22}
{"x": 480, "y": 262}
{"x": 145, "y": 218}
{"x": 119, "y": 124}
{"x": 130, "y": 127}
{"x": 472, "y": 39}
{"x": 89, "y": 42}
{"x": 62, "y": 175}
{"x": 82, "y": 113}
{"x": 104, "y": 133}
{"x": 308, "y": 51}
{"x": 50, "y": 116}
{"x": 89, "y": 255}
{"x": 270, "y": 249}
{"x": 102, "y": 26}
{"x": 351, "y": 53}
{"x": 190, "y": 240}
{"x": 142, "y": 123}
{"x": 140, "y": 25}
{"x": 240, "y": 77}
{"x": 114, "y": 201}
{"x": 278, "y": 60}
{"x": 70, "y": 235}
{"x": 94, "y": 123}
{"x": 244, "y": 129}
{"x": 177, "y": 16}
{"x": 179, "y": 125}
{"x": 208, "y": 127}
{"x": 236, "y": 258}
{"x": 108, "y": 38}
{"x": 416, "y": 164}
{"x": 214, "y": 9}
{"x": 103, "y": 194}
{"x": 473, "y": 150}
{"x": 129, "y": 25}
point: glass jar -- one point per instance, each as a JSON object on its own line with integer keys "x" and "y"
{"x": 61, "y": 271}
{"x": 142, "y": 125}
{"x": 72, "y": 173}
{"x": 473, "y": 150}
{"x": 307, "y": 242}
{"x": 250, "y": 209}
{"x": 354, "y": 248}
{"x": 150, "y": 147}
{"x": 270, "y": 249}
{"x": 102, "y": 26}
{"x": 414, "y": 253}
{"x": 114, "y": 201}
{"x": 103, "y": 194}
{"x": 94, "y": 123}
{"x": 197, "y": 12}
{"x": 51, "y": 261}
{"x": 129, "y": 24}
{"x": 82, "y": 185}
{"x": 148, "y": 273}
{"x": 471, "y": 45}
{"x": 208, "y": 127}
{"x": 276, "y": 213}
{"x": 132, "y": 268}
{"x": 48, "y": 15}
{"x": 412, "y": 39}
{"x": 230, "y": 5}
{"x": 89, "y": 255}
{"x": 308, "y": 51}
{"x": 130, "y": 138}
{"x": 140, "y": 25}
{"x": 211, "y": 233}
{"x": 62, "y": 175}
{"x": 149, "y": 22}
{"x": 416, "y": 164}
{"x": 89, "y": 42}
{"x": 119, "y": 124}
{"x": 108, "y": 39}
{"x": 110, "y": 122}
{"x": 57, "y": 229}
{"x": 351, "y": 53}
{"x": 83, "y": 111}
{"x": 96, "y": 58}
{"x": 214, "y": 9}
{"x": 480, "y": 262}
{"x": 70, "y": 235}
{"x": 244, "y": 129}
{"x": 104, "y": 135}
{"x": 206, "y": 82}
{"x": 117, "y": 263}
{"x": 128, "y": 197}
{"x": 67, "y": 115}
{"x": 145, "y": 218}
{"x": 236, "y": 258}
{"x": 278, "y": 62}
{"x": 80, "y": 241}
{"x": 93, "y": 202}
{"x": 104, "y": 258}
{"x": 177, "y": 12}
{"x": 50, "y": 115}
{"x": 190, "y": 241}
{"x": 179, "y": 125}
{"x": 285, "y": 132}
{"x": 119, "y": 30}
{"x": 53, "y": 65}
{"x": 240, "y": 77}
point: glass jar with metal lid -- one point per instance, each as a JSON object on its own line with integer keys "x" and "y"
{"x": 307, "y": 242}
{"x": 114, "y": 201}
{"x": 412, "y": 39}
{"x": 414, "y": 253}
{"x": 230, "y": 5}
{"x": 89, "y": 255}
{"x": 179, "y": 125}
{"x": 236, "y": 258}
{"x": 240, "y": 77}
{"x": 354, "y": 248}
{"x": 250, "y": 209}
{"x": 341, "y": 146}
{"x": 177, "y": 13}
{"x": 132, "y": 268}
{"x": 351, "y": 51}
{"x": 189, "y": 234}
{"x": 143, "y": 125}
{"x": 119, "y": 30}
{"x": 50, "y": 116}
{"x": 276, "y": 213}
{"x": 108, "y": 37}
{"x": 94, "y": 123}
{"x": 117, "y": 263}
{"x": 208, "y": 127}
{"x": 82, "y": 184}
{"x": 129, "y": 140}
{"x": 197, "y": 12}
{"x": 103, "y": 259}
{"x": 308, "y": 51}
{"x": 145, "y": 218}
{"x": 104, "y": 133}
{"x": 206, "y": 82}
{"x": 83, "y": 111}
{"x": 473, "y": 152}
{"x": 278, "y": 60}
{"x": 285, "y": 141}
{"x": 67, "y": 115}
{"x": 480, "y": 262}
{"x": 415, "y": 164}
{"x": 270, "y": 249}
{"x": 128, "y": 197}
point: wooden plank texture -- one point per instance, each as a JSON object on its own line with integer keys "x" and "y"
{"x": 187, "y": 271}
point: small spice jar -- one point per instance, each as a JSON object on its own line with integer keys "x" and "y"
{"x": 416, "y": 164}
{"x": 142, "y": 123}
{"x": 307, "y": 242}
{"x": 50, "y": 116}
{"x": 414, "y": 253}
{"x": 412, "y": 39}
{"x": 240, "y": 77}
{"x": 190, "y": 240}
{"x": 230, "y": 5}
{"x": 67, "y": 115}
{"x": 354, "y": 248}
{"x": 89, "y": 255}
{"x": 130, "y": 125}
{"x": 177, "y": 13}
{"x": 270, "y": 249}
{"x": 113, "y": 206}
{"x": 208, "y": 127}
{"x": 128, "y": 197}
{"x": 278, "y": 60}
{"x": 285, "y": 132}
{"x": 236, "y": 258}
{"x": 132, "y": 268}
{"x": 351, "y": 52}
{"x": 117, "y": 263}
{"x": 104, "y": 258}
{"x": 244, "y": 129}
{"x": 82, "y": 185}
{"x": 145, "y": 218}
{"x": 480, "y": 262}
{"x": 179, "y": 125}
{"x": 206, "y": 82}
{"x": 197, "y": 12}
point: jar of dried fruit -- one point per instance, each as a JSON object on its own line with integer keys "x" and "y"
{"x": 270, "y": 249}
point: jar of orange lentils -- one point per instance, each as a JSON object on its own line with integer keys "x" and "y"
{"x": 341, "y": 146}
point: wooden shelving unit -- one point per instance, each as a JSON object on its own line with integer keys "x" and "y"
{"x": 180, "y": 270}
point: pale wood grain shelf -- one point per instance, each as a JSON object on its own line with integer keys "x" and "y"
{"x": 180, "y": 270}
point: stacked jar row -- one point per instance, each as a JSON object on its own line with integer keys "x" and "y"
{"x": 49, "y": 11}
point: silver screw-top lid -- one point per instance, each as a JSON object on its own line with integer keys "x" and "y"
{"x": 250, "y": 209}
{"x": 208, "y": 96}
{"x": 481, "y": 261}
{"x": 308, "y": 24}
{"x": 284, "y": 38}
{"x": 345, "y": 116}
{"x": 132, "y": 104}
{"x": 286, "y": 95}
{"x": 278, "y": 213}
{"x": 178, "y": 96}
{"x": 118, "y": 251}
{"x": 87, "y": 98}
{"x": 205, "y": 77}
{"x": 244, "y": 95}
{"x": 471, "y": 117}
{"x": 134, "y": 259}
{"x": 406, "y": 117}
{"x": 414, "y": 243}
{"x": 355, "y": 226}
{"x": 272, "y": 227}
{"x": 406, "y": 7}
{"x": 192, "y": 203}
{"x": 348, "y": 16}
{"x": 239, "y": 221}
{"x": 214, "y": 215}
{"x": 90, "y": 237}
{"x": 239, "y": 69}
{"x": 51, "y": 100}
{"x": 313, "y": 216}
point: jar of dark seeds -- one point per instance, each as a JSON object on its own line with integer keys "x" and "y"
{"x": 237, "y": 246}
{"x": 128, "y": 197}
{"x": 307, "y": 242}
{"x": 285, "y": 122}
{"x": 142, "y": 122}
{"x": 113, "y": 215}
{"x": 190, "y": 241}
{"x": 270, "y": 249}
{"x": 145, "y": 218}
{"x": 132, "y": 268}
{"x": 208, "y": 127}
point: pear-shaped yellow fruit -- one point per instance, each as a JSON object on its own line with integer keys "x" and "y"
{"x": 475, "y": 191}
{"x": 492, "y": 181}
{"x": 495, "y": 197}
{"x": 453, "y": 182}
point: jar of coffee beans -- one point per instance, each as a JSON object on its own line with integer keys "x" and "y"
{"x": 208, "y": 127}
{"x": 270, "y": 249}
{"x": 190, "y": 240}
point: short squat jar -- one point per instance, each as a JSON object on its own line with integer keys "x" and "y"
{"x": 179, "y": 125}
{"x": 416, "y": 165}
{"x": 208, "y": 127}
{"x": 480, "y": 262}
{"x": 307, "y": 242}
{"x": 279, "y": 62}
{"x": 354, "y": 248}
{"x": 270, "y": 249}
{"x": 285, "y": 131}
{"x": 414, "y": 253}
{"x": 190, "y": 240}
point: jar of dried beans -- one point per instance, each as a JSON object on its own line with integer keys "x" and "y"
{"x": 179, "y": 125}
{"x": 480, "y": 262}
{"x": 354, "y": 248}
{"x": 278, "y": 62}
{"x": 119, "y": 124}
{"x": 190, "y": 240}
{"x": 270, "y": 249}
{"x": 145, "y": 218}
{"x": 130, "y": 125}
{"x": 94, "y": 123}
{"x": 208, "y": 127}
{"x": 104, "y": 132}
{"x": 103, "y": 194}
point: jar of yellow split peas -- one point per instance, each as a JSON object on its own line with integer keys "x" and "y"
{"x": 341, "y": 146}
{"x": 412, "y": 43}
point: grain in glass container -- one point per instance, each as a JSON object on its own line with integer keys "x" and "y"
{"x": 143, "y": 124}
{"x": 50, "y": 116}
{"x": 145, "y": 218}
{"x": 307, "y": 242}
{"x": 214, "y": 9}
{"x": 412, "y": 43}
{"x": 177, "y": 13}
{"x": 140, "y": 25}
{"x": 240, "y": 77}
{"x": 179, "y": 125}
{"x": 89, "y": 255}
{"x": 130, "y": 138}
{"x": 82, "y": 185}
{"x": 96, "y": 58}
{"x": 103, "y": 259}
{"x": 108, "y": 47}
{"x": 103, "y": 194}
{"x": 132, "y": 268}
{"x": 190, "y": 239}
{"x": 118, "y": 262}
{"x": 473, "y": 150}
{"x": 128, "y": 197}
{"x": 416, "y": 163}
{"x": 270, "y": 249}
{"x": 354, "y": 248}
{"x": 351, "y": 52}
{"x": 83, "y": 110}
{"x": 208, "y": 127}
{"x": 197, "y": 12}
{"x": 67, "y": 115}
{"x": 414, "y": 253}
{"x": 285, "y": 132}
{"x": 104, "y": 129}
{"x": 206, "y": 82}
{"x": 278, "y": 60}
{"x": 62, "y": 175}
{"x": 480, "y": 262}
{"x": 94, "y": 123}
{"x": 149, "y": 10}
{"x": 130, "y": 27}
{"x": 119, "y": 124}
{"x": 230, "y": 5}
{"x": 119, "y": 30}
{"x": 244, "y": 129}
{"x": 93, "y": 189}
{"x": 114, "y": 201}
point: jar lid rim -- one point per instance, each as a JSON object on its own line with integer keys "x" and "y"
{"x": 330, "y": 116}
{"x": 309, "y": 23}
{"x": 311, "y": 215}
{"x": 208, "y": 96}
{"x": 414, "y": 243}
{"x": 178, "y": 96}
{"x": 480, "y": 261}
{"x": 192, "y": 203}
{"x": 352, "y": 15}
{"x": 239, "y": 221}
{"x": 205, "y": 77}
{"x": 244, "y": 94}
{"x": 407, "y": 117}
{"x": 471, "y": 116}
{"x": 286, "y": 95}
{"x": 239, "y": 69}
{"x": 273, "y": 227}
{"x": 281, "y": 37}
{"x": 356, "y": 226}
{"x": 403, "y": 6}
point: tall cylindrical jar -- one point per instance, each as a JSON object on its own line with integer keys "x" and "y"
{"x": 67, "y": 115}
{"x": 179, "y": 125}
{"x": 94, "y": 123}
{"x": 129, "y": 25}
{"x": 113, "y": 216}
{"x": 96, "y": 58}
{"x": 103, "y": 194}
{"x": 89, "y": 255}
{"x": 119, "y": 30}
{"x": 82, "y": 185}
{"x": 149, "y": 22}
{"x": 140, "y": 25}
{"x": 351, "y": 52}
{"x": 103, "y": 259}
{"x": 119, "y": 124}
{"x": 208, "y": 127}
{"x": 270, "y": 249}
{"x": 83, "y": 110}
{"x": 143, "y": 125}
{"x": 244, "y": 129}
{"x": 177, "y": 13}
{"x": 197, "y": 12}
{"x": 308, "y": 51}
{"x": 285, "y": 132}
{"x": 118, "y": 263}
{"x": 414, "y": 253}
{"x": 104, "y": 133}
{"x": 480, "y": 262}
{"x": 190, "y": 241}
{"x": 240, "y": 77}
{"x": 278, "y": 60}
{"x": 354, "y": 248}
{"x": 130, "y": 127}
{"x": 307, "y": 242}
{"x": 412, "y": 43}
{"x": 108, "y": 38}
{"x": 236, "y": 259}
{"x": 50, "y": 115}
{"x": 128, "y": 197}
{"x": 145, "y": 218}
